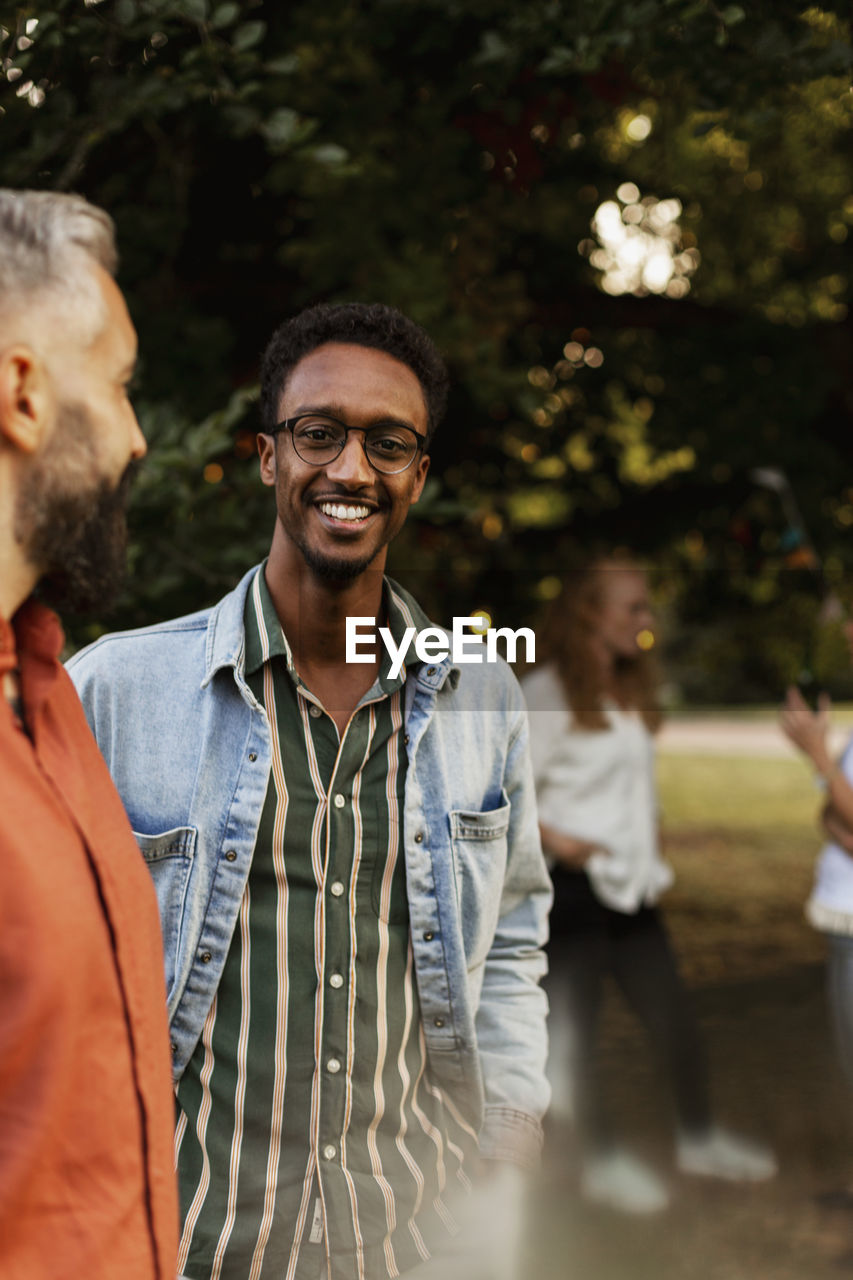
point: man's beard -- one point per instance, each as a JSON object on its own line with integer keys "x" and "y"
{"x": 331, "y": 569}
{"x": 337, "y": 570}
{"x": 72, "y": 528}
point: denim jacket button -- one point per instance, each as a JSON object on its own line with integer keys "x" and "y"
{"x": 428, "y": 936}
{"x": 206, "y": 957}
{"x": 253, "y": 755}
{"x": 438, "y": 1022}
{"x": 419, "y": 837}
{"x": 231, "y": 856}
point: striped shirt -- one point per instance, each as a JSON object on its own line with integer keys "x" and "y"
{"x": 311, "y": 1141}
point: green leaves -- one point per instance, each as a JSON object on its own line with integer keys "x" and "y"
{"x": 224, "y": 15}
{"x": 247, "y": 35}
{"x": 448, "y": 156}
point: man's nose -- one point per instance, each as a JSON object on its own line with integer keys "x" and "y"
{"x": 351, "y": 466}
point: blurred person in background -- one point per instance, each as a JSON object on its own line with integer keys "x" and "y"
{"x": 594, "y": 712}
{"x": 87, "y": 1185}
{"x": 830, "y": 907}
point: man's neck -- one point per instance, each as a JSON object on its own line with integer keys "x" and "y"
{"x": 313, "y": 610}
{"x": 313, "y": 613}
{"x": 17, "y": 578}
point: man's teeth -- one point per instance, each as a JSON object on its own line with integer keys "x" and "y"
{"x": 339, "y": 512}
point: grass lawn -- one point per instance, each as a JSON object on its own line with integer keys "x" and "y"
{"x": 760, "y": 712}
{"x": 742, "y": 836}
{"x": 739, "y": 793}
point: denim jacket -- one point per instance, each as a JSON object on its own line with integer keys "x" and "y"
{"x": 189, "y": 749}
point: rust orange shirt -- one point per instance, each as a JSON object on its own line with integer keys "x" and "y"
{"x": 87, "y": 1189}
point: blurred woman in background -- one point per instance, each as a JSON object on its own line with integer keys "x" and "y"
{"x": 830, "y": 907}
{"x": 594, "y": 712}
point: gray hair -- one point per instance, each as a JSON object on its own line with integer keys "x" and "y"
{"x": 49, "y": 242}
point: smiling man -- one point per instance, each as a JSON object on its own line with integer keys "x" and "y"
{"x": 352, "y": 891}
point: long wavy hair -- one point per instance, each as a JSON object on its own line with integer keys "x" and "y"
{"x": 568, "y": 643}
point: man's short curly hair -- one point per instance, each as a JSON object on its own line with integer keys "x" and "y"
{"x": 365, "y": 325}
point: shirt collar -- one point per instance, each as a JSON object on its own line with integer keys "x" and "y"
{"x": 265, "y": 638}
{"x": 38, "y": 631}
{"x": 32, "y": 643}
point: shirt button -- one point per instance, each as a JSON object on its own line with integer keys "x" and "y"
{"x": 329, "y": 1152}
{"x": 230, "y": 856}
{"x": 333, "y": 1066}
{"x": 336, "y": 981}
{"x": 337, "y": 888}
{"x": 340, "y": 801}
{"x": 419, "y": 837}
{"x": 314, "y": 710}
{"x": 429, "y": 935}
{"x": 206, "y": 957}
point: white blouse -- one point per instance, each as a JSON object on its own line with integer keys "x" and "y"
{"x": 599, "y": 785}
{"x": 830, "y": 907}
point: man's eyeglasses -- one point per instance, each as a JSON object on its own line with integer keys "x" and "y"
{"x": 318, "y": 439}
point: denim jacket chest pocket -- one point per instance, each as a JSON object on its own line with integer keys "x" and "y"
{"x": 479, "y": 845}
{"x": 169, "y": 856}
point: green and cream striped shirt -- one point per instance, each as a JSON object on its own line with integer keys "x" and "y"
{"x": 310, "y": 1140}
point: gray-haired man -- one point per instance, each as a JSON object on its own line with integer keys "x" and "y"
{"x": 86, "y": 1185}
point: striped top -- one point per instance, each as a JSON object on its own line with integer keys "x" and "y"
{"x": 310, "y": 1140}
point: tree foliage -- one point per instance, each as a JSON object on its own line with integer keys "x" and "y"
{"x": 449, "y": 156}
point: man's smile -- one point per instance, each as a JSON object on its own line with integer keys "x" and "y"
{"x": 339, "y": 512}
{"x": 350, "y": 512}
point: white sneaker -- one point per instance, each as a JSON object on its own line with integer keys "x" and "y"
{"x": 621, "y": 1181}
{"x": 718, "y": 1154}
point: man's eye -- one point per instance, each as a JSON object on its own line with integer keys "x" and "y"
{"x": 317, "y": 432}
{"x": 388, "y": 444}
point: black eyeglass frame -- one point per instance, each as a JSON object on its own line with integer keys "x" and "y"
{"x": 289, "y": 424}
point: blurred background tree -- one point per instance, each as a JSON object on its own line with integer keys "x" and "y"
{"x": 626, "y": 222}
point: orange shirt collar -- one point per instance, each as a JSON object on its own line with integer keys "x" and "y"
{"x": 32, "y": 642}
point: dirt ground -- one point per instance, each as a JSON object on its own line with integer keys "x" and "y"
{"x": 756, "y": 971}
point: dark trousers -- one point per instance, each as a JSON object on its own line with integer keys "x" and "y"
{"x": 590, "y": 941}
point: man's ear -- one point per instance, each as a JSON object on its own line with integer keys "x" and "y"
{"x": 266, "y": 453}
{"x": 27, "y": 399}
{"x": 420, "y": 476}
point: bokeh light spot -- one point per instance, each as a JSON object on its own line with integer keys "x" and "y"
{"x": 485, "y": 621}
